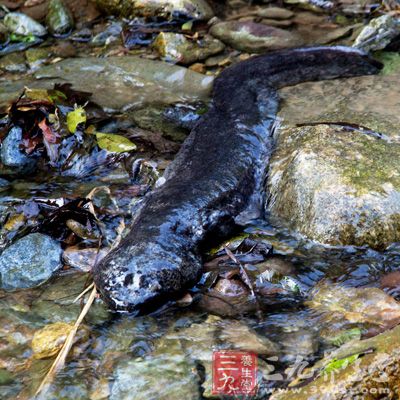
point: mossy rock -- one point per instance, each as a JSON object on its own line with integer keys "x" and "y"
{"x": 372, "y": 371}
{"x": 372, "y": 102}
{"x": 337, "y": 186}
{"x": 340, "y": 186}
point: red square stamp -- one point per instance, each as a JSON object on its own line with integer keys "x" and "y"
{"x": 234, "y": 372}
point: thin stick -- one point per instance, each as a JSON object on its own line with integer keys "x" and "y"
{"x": 246, "y": 280}
{"x": 245, "y": 276}
{"x": 83, "y": 293}
{"x": 62, "y": 355}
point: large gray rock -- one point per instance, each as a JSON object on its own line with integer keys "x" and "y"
{"x": 122, "y": 82}
{"x": 370, "y": 101}
{"x": 253, "y": 37}
{"x": 118, "y": 83}
{"x": 191, "y": 9}
{"x": 339, "y": 186}
{"x": 29, "y": 261}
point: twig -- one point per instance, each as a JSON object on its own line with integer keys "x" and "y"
{"x": 246, "y": 280}
{"x": 243, "y": 272}
{"x": 59, "y": 362}
{"x": 83, "y": 293}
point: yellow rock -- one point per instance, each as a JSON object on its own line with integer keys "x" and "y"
{"x": 48, "y": 341}
{"x": 198, "y": 67}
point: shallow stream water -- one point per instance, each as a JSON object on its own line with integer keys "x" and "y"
{"x": 167, "y": 354}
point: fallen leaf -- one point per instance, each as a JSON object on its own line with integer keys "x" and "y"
{"x": 335, "y": 364}
{"x": 14, "y": 37}
{"x": 37, "y": 94}
{"x": 48, "y": 134}
{"x": 187, "y": 26}
{"x": 74, "y": 118}
{"x": 114, "y": 143}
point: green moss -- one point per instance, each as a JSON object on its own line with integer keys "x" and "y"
{"x": 376, "y": 164}
{"x": 391, "y": 60}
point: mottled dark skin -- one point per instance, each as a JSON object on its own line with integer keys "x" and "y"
{"x": 214, "y": 177}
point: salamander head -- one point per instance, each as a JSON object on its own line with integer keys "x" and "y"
{"x": 139, "y": 278}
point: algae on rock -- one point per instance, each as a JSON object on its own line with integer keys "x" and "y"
{"x": 337, "y": 186}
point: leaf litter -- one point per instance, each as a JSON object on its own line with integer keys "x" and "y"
{"x": 59, "y": 129}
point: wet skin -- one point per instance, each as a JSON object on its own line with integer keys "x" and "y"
{"x": 216, "y": 176}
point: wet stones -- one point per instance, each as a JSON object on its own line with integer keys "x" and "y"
{"x": 168, "y": 376}
{"x": 253, "y": 37}
{"x": 168, "y": 9}
{"x": 59, "y": 18}
{"x": 372, "y": 372}
{"x": 13, "y": 160}
{"x": 21, "y": 24}
{"x": 14, "y": 62}
{"x": 275, "y": 13}
{"x": 339, "y": 306}
{"x": 176, "y": 47}
{"x": 378, "y": 33}
{"x": 29, "y": 261}
{"x": 83, "y": 259}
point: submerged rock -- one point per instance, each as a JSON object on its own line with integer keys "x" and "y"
{"x": 337, "y": 186}
{"x": 59, "y": 19}
{"x": 169, "y": 9}
{"x": 56, "y": 301}
{"x": 123, "y": 82}
{"x": 13, "y": 159}
{"x": 253, "y": 37}
{"x": 47, "y": 342}
{"x": 29, "y": 261}
{"x": 165, "y": 377}
{"x": 378, "y": 33}
{"x": 237, "y": 335}
{"x": 21, "y": 24}
{"x": 367, "y": 369}
{"x": 200, "y": 339}
{"x": 110, "y": 34}
{"x": 14, "y": 62}
{"x": 371, "y": 308}
{"x": 177, "y": 48}
{"x": 37, "y": 56}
